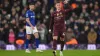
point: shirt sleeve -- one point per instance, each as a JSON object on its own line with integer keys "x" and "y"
{"x": 27, "y": 15}
{"x": 67, "y": 10}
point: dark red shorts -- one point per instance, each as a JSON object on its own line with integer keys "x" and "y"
{"x": 58, "y": 32}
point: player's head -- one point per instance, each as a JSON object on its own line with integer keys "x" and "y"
{"x": 57, "y": 5}
{"x": 32, "y": 6}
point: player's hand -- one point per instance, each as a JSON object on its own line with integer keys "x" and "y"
{"x": 32, "y": 27}
{"x": 49, "y": 30}
{"x": 64, "y": 33}
{"x": 66, "y": 1}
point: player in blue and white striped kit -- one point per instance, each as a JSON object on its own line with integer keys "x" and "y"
{"x": 31, "y": 28}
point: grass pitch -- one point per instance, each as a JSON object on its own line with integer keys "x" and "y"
{"x": 49, "y": 53}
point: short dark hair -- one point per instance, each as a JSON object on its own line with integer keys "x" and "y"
{"x": 57, "y": 2}
{"x": 32, "y": 3}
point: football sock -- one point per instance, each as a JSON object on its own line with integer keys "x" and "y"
{"x": 54, "y": 44}
{"x": 27, "y": 43}
{"x": 37, "y": 42}
{"x": 62, "y": 45}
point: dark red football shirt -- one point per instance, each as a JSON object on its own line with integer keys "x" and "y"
{"x": 58, "y": 18}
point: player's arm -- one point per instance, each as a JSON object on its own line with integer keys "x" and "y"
{"x": 28, "y": 21}
{"x": 70, "y": 8}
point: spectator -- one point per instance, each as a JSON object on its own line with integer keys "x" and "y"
{"x": 2, "y": 43}
{"x": 90, "y": 8}
{"x": 6, "y": 6}
{"x": 98, "y": 22}
{"x": 24, "y": 2}
{"x": 42, "y": 30}
{"x": 6, "y": 34}
{"x": 81, "y": 24}
{"x": 1, "y": 35}
{"x": 92, "y": 13}
{"x": 74, "y": 16}
{"x": 84, "y": 14}
{"x": 86, "y": 28}
{"x": 76, "y": 33}
{"x": 97, "y": 15}
{"x": 92, "y": 36}
{"x": 92, "y": 23}
{"x": 96, "y": 8}
{"x": 72, "y": 23}
{"x": 69, "y": 34}
{"x": 21, "y": 34}
{"x": 82, "y": 39}
{"x": 4, "y": 13}
{"x": 11, "y": 36}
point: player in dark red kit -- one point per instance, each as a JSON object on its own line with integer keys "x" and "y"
{"x": 58, "y": 18}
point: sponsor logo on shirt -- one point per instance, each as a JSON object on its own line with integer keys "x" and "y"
{"x": 32, "y": 16}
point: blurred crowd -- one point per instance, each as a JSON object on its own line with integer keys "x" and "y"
{"x": 83, "y": 23}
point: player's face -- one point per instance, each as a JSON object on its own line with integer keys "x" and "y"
{"x": 32, "y": 7}
{"x": 58, "y": 6}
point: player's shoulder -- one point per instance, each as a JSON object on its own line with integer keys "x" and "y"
{"x": 28, "y": 11}
{"x": 54, "y": 12}
{"x": 62, "y": 10}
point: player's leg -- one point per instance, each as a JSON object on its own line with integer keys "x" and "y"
{"x": 28, "y": 32}
{"x": 54, "y": 44}
{"x": 37, "y": 42}
{"x": 27, "y": 43}
{"x": 62, "y": 44}
{"x": 35, "y": 33}
{"x": 55, "y": 37}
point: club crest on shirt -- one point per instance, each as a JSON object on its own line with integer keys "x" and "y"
{"x": 57, "y": 14}
{"x": 26, "y": 15}
{"x": 60, "y": 14}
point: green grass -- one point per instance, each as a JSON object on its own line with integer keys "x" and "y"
{"x": 49, "y": 53}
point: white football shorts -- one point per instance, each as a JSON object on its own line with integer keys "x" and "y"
{"x": 29, "y": 30}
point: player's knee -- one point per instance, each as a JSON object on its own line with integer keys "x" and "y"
{"x": 36, "y": 35}
{"x": 62, "y": 38}
{"x": 28, "y": 37}
{"x": 54, "y": 37}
